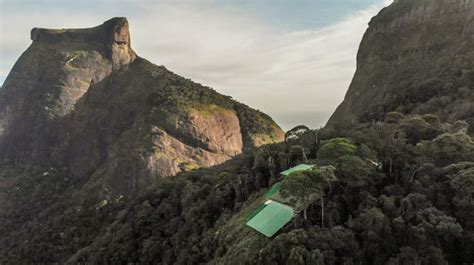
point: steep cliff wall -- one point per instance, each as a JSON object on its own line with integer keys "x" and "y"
{"x": 417, "y": 57}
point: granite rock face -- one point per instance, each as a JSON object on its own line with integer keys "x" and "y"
{"x": 416, "y": 57}
{"x": 83, "y": 101}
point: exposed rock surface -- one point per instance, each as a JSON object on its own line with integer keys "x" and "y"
{"x": 416, "y": 57}
{"x": 82, "y": 100}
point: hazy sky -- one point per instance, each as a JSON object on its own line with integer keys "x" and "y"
{"x": 292, "y": 59}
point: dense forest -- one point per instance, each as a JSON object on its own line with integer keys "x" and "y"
{"x": 398, "y": 191}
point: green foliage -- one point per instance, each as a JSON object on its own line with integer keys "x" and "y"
{"x": 462, "y": 184}
{"x": 393, "y": 117}
{"x": 413, "y": 205}
{"x": 431, "y": 119}
{"x": 449, "y": 148}
{"x": 302, "y": 187}
{"x": 417, "y": 128}
{"x": 354, "y": 171}
{"x": 257, "y": 126}
{"x": 336, "y": 148}
{"x": 298, "y": 153}
{"x": 296, "y": 132}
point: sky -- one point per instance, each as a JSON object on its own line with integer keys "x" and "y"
{"x": 292, "y": 59}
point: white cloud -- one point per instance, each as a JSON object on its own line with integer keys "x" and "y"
{"x": 295, "y": 76}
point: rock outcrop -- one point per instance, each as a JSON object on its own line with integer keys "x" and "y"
{"x": 416, "y": 57}
{"x": 83, "y": 101}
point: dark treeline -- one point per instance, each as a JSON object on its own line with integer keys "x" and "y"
{"x": 401, "y": 194}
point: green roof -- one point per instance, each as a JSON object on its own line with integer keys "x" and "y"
{"x": 297, "y": 168}
{"x": 291, "y": 201}
{"x": 271, "y": 218}
{"x": 275, "y": 189}
{"x": 276, "y": 196}
{"x": 259, "y": 208}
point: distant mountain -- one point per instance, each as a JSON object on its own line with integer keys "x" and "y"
{"x": 83, "y": 101}
{"x": 416, "y": 57}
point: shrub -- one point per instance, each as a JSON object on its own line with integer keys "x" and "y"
{"x": 336, "y": 148}
{"x": 393, "y": 117}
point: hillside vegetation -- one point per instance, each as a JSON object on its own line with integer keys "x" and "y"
{"x": 402, "y": 194}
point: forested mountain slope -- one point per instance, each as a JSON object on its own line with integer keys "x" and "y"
{"x": 416, "y": 204}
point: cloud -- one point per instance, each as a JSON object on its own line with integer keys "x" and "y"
{"x": 296, "y": 76}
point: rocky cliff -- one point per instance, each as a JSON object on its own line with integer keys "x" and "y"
{"x": 416, "y": 57}
{"x": 83, "y": 101}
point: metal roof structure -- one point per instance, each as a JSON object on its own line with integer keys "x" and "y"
{"x": 277, "y": 211}
{"x": 271, "y": 218}
{"x": 274, "y": 189}
{"x": 297, "y": 168}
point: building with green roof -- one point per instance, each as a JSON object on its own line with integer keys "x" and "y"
{"x": 273, "y": 190}
{"x": 270, "y": 218}
{"x": 297, "y": 168}
{"x": 274, "y": 193}
{"x": 277, "y": 211}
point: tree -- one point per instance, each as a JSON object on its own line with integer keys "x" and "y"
{"x": 296, "y": 132}
{"x": 393, "y": 117}
{"x": 297, "y": 151}
{"x": 374, "y": 228}
{"x": 327, "y": 176}
{"x": 437, "y": 224}
{"x": 305, "y": 187}
{"x": 463, "y": 185}
{"x": 417, "y": 128}
{"x": 298, "y": 255}
{"x": 431, "y": 119}
{"x": 300, "y": 189}
{"x": 353, "y": 171}
{"x": 448, "y": 148}
{"x": 336, "y": 148}
{"x": 310, "y": 140}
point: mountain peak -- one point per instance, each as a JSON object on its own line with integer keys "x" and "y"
{"x": 114, "y": 33}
